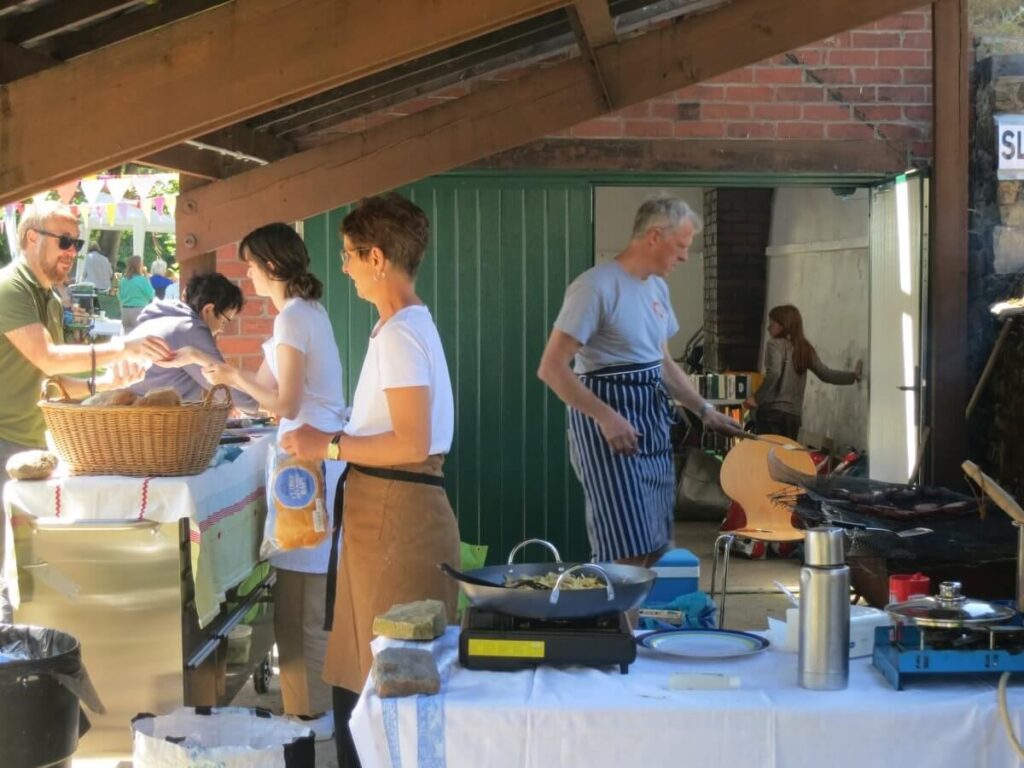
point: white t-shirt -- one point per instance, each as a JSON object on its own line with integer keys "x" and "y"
{"x": 405, "y": 351}
{"x": 304, "y": 325}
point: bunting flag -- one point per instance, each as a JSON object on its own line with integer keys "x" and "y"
{"x": 147, "y": 208}
{"x": 117, "y": 186}
{"x": 144, "y": 185}
{"x": 109, "y": 209}
{"x": 158, "y": 204}
{"x": 170, "y": 203}
{"x": 91, "y": 188}
{"x": 67, "y": 191}
{"x": 39, "y": 197}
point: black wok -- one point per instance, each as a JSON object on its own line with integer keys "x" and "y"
{"x": 625, "y": 588}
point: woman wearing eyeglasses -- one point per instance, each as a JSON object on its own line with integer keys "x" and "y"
{"x": 300, "y": 381}
{"x": 135, "y": 292}
{"x": 398, "y": 523}
{"x": 189, "y": 327}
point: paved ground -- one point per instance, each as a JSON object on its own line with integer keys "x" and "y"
{"x": 752, "y": 598}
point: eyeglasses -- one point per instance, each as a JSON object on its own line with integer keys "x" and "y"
{"x": 347, "y": 253}
{"x": 64, "y": 242}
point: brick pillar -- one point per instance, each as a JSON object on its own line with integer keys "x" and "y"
{"x": 241, "y": 342}
{"x": 736, "y": 223}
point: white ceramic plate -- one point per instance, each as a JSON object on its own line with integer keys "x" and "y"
{"x": 703, "y": 643}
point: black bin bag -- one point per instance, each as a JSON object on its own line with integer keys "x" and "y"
{"x": 42, "y": 687}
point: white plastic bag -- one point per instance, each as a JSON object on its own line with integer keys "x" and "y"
{"x": 296, "y": 504}
{"x": 226, "y": 737}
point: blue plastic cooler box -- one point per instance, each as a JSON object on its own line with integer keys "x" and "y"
{"x": 678, "y": 574}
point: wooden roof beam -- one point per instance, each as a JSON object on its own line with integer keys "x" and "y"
{"x": 593, "y": 27}
{"x": 511, "y": 113}
{"x": 56, "y": 18}
{"x": 218, "y": 68}
{"x": 17, "y": 62}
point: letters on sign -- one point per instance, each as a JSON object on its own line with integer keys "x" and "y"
{"x": 1010, "y": 146}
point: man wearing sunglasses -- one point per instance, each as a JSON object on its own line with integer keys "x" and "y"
{"x": 32, "y": 337}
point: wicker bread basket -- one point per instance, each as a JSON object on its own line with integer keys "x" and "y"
{"x": 139, "y": 441}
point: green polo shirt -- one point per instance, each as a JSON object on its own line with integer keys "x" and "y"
{"x": 23, "y": 301}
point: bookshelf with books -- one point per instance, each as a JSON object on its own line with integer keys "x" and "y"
{"x": 726, "y": 391}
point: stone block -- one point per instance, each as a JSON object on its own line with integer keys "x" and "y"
{"x": 1011, "y": 215}
{"x": 1008, "y": 244}
{"x": 422, "y": 620}
{"x": 1009, "y": 192}
{"x": 405, "y": 672}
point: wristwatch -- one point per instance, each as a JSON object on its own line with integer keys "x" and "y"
{"x": 705, "y": 409}
{"x": 334, "y": 448}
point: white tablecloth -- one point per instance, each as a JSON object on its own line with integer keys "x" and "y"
{"x": 225, "y": 506}
{"x": 574, "y": 716}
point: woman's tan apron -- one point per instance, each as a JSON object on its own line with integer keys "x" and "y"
{"x": 394, "y": 533}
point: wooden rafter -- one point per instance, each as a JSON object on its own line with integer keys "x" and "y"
{"x": 54, "y": 19}
{"x": 17, "y": 62}
{"x": 596, "y": 20}
{"x": 585, "y": 39}
{"x": 215, "y": 69}
{"x": 512, "y": 113}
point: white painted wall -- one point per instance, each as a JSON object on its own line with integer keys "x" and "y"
{"x": 614, "y": 210}
{"x": 818, "y": 261}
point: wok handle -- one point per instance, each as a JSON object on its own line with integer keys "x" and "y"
{"x": 520, "y": 545}
{"x": 465, "y": 577}
{"x": 583, "y": 566}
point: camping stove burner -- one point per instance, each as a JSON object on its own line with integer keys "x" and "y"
{"x": 904, "y": 651}
{"x": 496, "y": 641}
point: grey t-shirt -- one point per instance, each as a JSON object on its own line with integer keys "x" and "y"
{"x": 618, "y": 318}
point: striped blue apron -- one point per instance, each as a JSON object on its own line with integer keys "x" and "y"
{"x": 629, "y": 499}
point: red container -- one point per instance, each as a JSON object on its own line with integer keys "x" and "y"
{"x": 907, "y": 586}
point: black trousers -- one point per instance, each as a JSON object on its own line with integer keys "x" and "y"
{"x": 769, "y": 422}
{"x": 344, "y": 702}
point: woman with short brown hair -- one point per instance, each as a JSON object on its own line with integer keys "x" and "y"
{"x": 398, "y": 523}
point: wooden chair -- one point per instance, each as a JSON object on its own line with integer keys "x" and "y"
{"x": 746, "y": 481}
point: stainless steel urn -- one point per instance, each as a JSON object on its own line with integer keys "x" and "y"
{"x": 824, "y": 658}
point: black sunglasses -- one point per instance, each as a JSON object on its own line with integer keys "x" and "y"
{"x": 64, "y": 242}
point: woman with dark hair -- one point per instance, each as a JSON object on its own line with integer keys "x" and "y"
{"x": 398, "y": 522}
{"x": 788, "y": 356}
{"x": 135, "y": 292}
{"x": 300, "y": 381}
{"x": 190, "y": 327}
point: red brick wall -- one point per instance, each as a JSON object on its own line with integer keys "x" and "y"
{"x": 241, "y": 341}
{"x": 869, "y": 83}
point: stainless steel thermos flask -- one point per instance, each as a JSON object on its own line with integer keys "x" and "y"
{"x": 824, "y": 657}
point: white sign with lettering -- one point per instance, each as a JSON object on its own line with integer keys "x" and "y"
{"x": 1010, "y": 146}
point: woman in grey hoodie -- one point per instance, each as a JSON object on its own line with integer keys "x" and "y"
{"x": 211, "y": 302}
{"x": 788, "y": 356}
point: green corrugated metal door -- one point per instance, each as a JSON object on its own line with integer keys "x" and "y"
{"x": 503, "y": 250}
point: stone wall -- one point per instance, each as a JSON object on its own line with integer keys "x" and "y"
{"x": 995, "y": 273}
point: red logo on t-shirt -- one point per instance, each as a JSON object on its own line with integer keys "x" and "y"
{"x": 659, "y": 310}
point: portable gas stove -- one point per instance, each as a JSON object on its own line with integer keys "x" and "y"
{"x": 948, "y": 635}
{"x": 903, "y": 652}
{"x": 494, "y": 641}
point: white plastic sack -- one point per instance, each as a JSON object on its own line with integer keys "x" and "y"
{"x": 225, "y": 737}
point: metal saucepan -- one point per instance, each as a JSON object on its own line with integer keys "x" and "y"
{"x": 625, "y": 588}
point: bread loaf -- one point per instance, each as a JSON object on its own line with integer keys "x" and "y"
{"x": 111, "y": 397}
{"x": 31, "y": 465}
{"x": 162, "y": 397}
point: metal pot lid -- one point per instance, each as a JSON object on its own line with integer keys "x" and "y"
{"x": 949, "y": 609}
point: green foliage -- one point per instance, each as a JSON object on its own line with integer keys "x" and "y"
{"x": 999, "y": 18}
